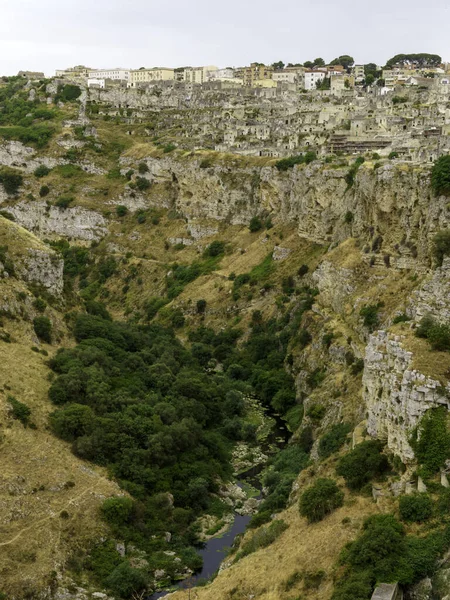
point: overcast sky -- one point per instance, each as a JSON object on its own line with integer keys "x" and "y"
{"x": 48, "y": 34}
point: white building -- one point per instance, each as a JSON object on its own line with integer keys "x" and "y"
{"x": 94, "y": 82}
{"x": 311, "y": 79}
{"x": 226, "y": 73}
{"x": 116, "y": 74}
{"x": 198, "y": 74}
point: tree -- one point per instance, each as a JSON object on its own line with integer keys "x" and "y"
{"x": 420, "y": 60}
{"x": 320, "y": 499}
{"x": 364, "y": 463}
{"x": 126, "y": 581}
{"x": 255, "y": 224}
{"x": 11, "y": 179}
{"x": 43, "y": 329}
{"x": 441, "y": 245}
{"x": 440, "y": 176}
{"x": 369, "y": 79}
{"x": 117, "y": 510}
{"x": 69, "y": 92}
{"x": 345, "y": 60}
{"x": 201, "y": 306}
{"x": 278, "y": 65}
{"x": 415, "y": 508}
{"x": 319, "y": 62}
{"x": 308, "y": 64}
{"x": 72, "y": 422}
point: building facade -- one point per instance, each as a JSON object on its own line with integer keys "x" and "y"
{"x": 311, "y": 79}
{"x": 199, "y": 74}
{"x": 115, "y": 74}
{"x": 141, "y": 76}
{"x": 255, "y": 72}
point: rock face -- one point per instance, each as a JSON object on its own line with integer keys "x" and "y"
{"x": 44, "y": 268}
{"x": 390, "y": 209}
{"x": 396, "y": 395}
{"x": 77, "y": 223}
{"x": 33, "y": 261}
{"x": 433, "y": 297}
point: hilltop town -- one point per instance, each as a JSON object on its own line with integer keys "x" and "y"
{"x": 399, "y": 111}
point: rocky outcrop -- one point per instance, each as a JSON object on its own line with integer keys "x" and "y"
{"x": 77, "y": 223}
{"x": 433, "y": 297}
{"x": 395, "y": 394}
{"x": 391, "y": 209}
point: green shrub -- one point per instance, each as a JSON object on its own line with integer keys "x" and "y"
{"x": 364, "y": 463}
{"x": 69, "y": 92}
{"x": 316, "y": 412}
{"x": 19, "y": 410}
{"x": 431, "y": 440}
{"x": 334, "y": 439}
{"x": 11, "y": 179}
{"x": 142, "y": 184}
{"x": 40, "y": 304}
{"x": 7, "y": 215}
{"x": 201, "y": 306}
{"x": 370, "y": 316}
{"x": 121, "y": 210}
{"x": 262, "y": 538}
{"x": 44, "y": 191}
{"x": 288, "y": 163}
{"x": 143, "y": 168}
{"x": 169, "y": 148}
{"x": 41, "y": 171}
{"x": 415, "y": 508}
{"x": 216, "y": 248}
{"x": 43, "y": 329}
{"x": 320, "y": 499}
{"x": 255, "y": 224}
{"x": 126, "y": 582}
{"x": 393, "y": 155}
{"x": 348, "y": 218}
{"x": 441, "y": 246}
{"x": 117, "y": 511}
{"x": 64, "y": 201}
{"x": 72, "y": 421}
{"x": 440, "y": 176}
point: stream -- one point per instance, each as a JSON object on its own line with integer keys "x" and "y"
{"x": 216, "y": 549}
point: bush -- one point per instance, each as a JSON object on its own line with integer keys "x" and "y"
{"x": 142, "y": 184}
{"x": 392, "y": 155}
{"x": 201, "y": 307}
{"x": 302, "y": 270}
{"x": 262, "y": 538}
{"x": 440, "y": 176}
{"x": 72, "y": 422}
{"x": 143, "y": 168}
{"x": 19, "y": 410}
{"x": 431, "y": 440}
{"x": 117, "y": 511}
{"x": 64, "y": 201}
{"x": 216, "y": 248}
{"x": 255, "y": 224}
{"x": 316, "y": 412}
{"x": 69, "y": 92}
{"x": 370, "y": 316}
{"x": 41, "y": 171}
{"x": 348, "y": 218}
{"x": 334, "y": 439}
{"x": 121, "y": 210}
{"x": 415, "y": 508}
{"x": 441, "y": 246}
{"x": 320, "y": 499}
{"x": 11, "y": 179}
{"x": 40, "y": 305}
{"x": 44, "y": 191}
{"x": 364, "y": 463}
{"x": 288, "y": 163}
{"x": 126, "y": 582}
{"x": 43, "y": 329}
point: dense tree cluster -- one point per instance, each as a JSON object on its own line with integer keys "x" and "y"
{"x": 420, "y": 60}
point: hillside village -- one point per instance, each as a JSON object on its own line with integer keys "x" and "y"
{"x": 401, "y": 111}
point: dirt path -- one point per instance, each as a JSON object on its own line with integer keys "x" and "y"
{"x": 45, "y": 519}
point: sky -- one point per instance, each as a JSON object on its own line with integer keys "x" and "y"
{"x": 44, "y": 35}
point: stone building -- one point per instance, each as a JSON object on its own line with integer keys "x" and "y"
{"x": 141, "y": 76}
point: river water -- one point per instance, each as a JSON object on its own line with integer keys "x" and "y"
{"x": 216, "y": 549}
